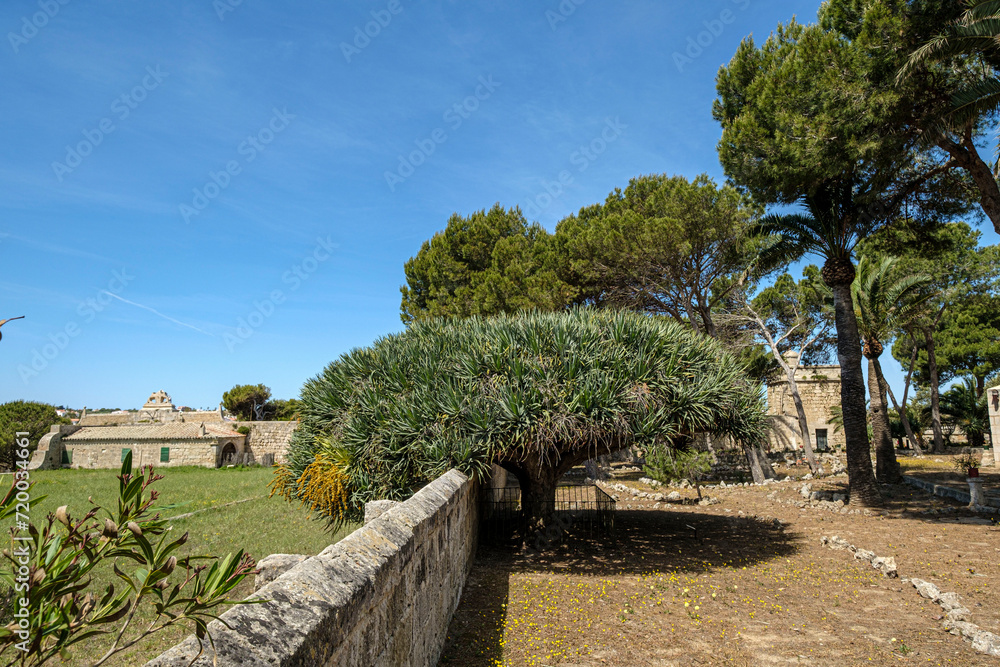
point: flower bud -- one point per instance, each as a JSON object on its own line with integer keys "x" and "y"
{"x": 62, "y": 515}
{"x": 134, "y": 527}
{"x": 170, "y": 565}
{"x": 110, "y": 529}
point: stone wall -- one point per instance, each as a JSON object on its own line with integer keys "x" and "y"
{"x": 819, "y": 388}
{"x": 57, "y": 450}
{"x": 108, "y": 419}
{"x": 268, "y": 438}
{"x": 108, "y": 453}
{"x": 151, "y": 416}
{"x": 381, "y": 597}
{"x": 48, "y": 454}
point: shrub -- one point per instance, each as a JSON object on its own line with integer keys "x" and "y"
{"x": 63, "y": 552}
{"x": 965, "y": 460}
{"x": 35, "y": 419}
{"x": 664, "y": 465}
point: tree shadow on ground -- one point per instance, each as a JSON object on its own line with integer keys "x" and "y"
{"x": 643, "y": 542}
{"x": 663, "y": 541}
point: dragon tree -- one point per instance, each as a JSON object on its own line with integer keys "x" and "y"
{"x": 536, "y": 393}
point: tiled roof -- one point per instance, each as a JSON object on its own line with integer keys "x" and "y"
{"x": 172, "y": 431}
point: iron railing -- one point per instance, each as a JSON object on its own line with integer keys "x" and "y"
{"x": 578, "y": 510}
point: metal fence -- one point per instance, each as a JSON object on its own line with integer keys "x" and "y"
{"x": 578, "y": 510}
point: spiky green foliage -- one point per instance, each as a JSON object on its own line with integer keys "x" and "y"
{"x": 886, "y": 302}
{"x": 974, "y": 35}
{"x": 963, "y": 407}
{"x": 536, "y": 393}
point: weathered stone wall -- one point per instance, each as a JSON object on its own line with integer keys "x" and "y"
{"x": 268, "y": 438}
{"x": 151, "y": 416}
{"x": 48, "y": 454}
{"x": 108, "y": 453}
{"x": 381, "y": 597}
{"x": 993, "y": 401}
{"x": 819, "y": 388}
{"x": 108, "y": 420}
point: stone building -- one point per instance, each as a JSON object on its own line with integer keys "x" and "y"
{"x": 993, "y": 402}
{"x": 161, "y": 435}
{"x": 174, "y": 444}
{"x": 819, "y": 388}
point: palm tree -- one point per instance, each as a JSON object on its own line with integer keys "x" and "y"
{"x": 964, "y": 408}
{"x": 973, "y": 40}
{"x": 884, "y": 304}
{"x": 975, "y": 33}
{"x": 836, "y": 419}
{"x": 832, "y": 231}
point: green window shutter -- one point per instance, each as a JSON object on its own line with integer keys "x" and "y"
{"x": 67, "y": 456}
{"x": 164, "y": 454}
{"x": 821, "y": 439}
{"x": 124, "y": 452}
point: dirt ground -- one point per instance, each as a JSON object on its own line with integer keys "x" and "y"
{"x": 742, "y": 582}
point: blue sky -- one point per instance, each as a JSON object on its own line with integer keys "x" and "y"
{"x": 195, "y": 193}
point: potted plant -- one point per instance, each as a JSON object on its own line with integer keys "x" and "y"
{"x": 967, "y": 462}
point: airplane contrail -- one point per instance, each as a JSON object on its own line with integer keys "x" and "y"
{"x": 156, "y": 312}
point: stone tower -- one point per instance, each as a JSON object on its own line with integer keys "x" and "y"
{"x": 819, "y": 387}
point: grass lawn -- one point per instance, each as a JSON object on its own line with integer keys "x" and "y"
{"x": 259, "y": 525}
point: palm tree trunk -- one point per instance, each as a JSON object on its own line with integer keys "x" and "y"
{"x": 935, "y": 394}
{"x": 886, "y": 465}
{"x": 864, "y": 489}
